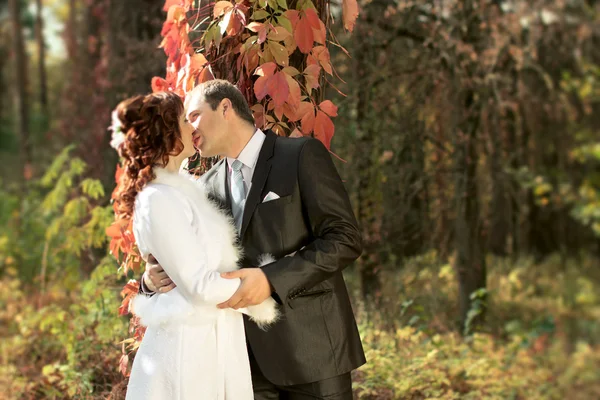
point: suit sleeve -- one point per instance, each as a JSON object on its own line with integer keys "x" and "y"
{"x": 170, "y": 238}
{"x": 337, "y": 240}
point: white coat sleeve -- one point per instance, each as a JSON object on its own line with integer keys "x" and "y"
{"x": 171, "y": 239}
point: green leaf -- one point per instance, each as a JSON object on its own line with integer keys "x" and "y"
{"x": 92, "y": 188}
{"x": 291, "y": 71}
{"x": 54, "y": 170}
{"x": 286, "y": 23}
{"x": 282, "y": 4}
{"x": 209, "y": 36}
{"x": 259, "y": 14}
{"x": 77, "y": 167}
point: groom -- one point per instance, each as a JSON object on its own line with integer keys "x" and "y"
{"x": 288, "y": 200}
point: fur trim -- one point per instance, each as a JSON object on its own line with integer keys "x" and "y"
{"x": 266, "y": 313}
{"x": 172, "y": 308}
{"x": 265, "y": 259}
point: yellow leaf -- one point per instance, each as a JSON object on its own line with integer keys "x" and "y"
{"x": 279, "y": 53}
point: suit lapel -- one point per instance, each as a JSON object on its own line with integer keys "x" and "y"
{"x": 259, "y": 178}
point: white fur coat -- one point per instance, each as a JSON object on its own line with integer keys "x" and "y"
{"x": 194, "y": 241}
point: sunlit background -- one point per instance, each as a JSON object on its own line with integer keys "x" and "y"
{"x": 468, "y": 136}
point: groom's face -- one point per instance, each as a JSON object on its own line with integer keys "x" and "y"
{"x": 210, "y": 127}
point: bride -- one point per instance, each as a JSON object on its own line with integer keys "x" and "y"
{"x": 191, "y": 349}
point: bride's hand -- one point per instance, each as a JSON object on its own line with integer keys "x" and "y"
{"x": 155, "y": 277}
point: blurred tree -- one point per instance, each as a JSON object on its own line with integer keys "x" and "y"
{"x": 41, "y": 47}
{"x": 20, "y": 89}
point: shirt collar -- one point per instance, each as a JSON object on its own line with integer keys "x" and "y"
{"x": 249, "y": 154}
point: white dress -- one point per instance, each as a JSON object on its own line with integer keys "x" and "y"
{"x": 191, "y": 349}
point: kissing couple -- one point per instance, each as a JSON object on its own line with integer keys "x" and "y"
{"x": 243, "y": 295}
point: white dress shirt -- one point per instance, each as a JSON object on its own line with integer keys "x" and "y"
{"x": 248, "y": 157}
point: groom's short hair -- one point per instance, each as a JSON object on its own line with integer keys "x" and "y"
{"x": 214, "y": 91}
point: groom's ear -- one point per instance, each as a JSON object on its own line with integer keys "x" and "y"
{"x": 226, "y": 106}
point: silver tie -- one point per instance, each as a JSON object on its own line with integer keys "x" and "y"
{"x": 238, "y": 193}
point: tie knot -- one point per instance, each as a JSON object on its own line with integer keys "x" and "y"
{"x": 237, "y": 165}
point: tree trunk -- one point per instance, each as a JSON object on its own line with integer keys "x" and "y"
{"x": 369, "y": 194}
{"x": 21, "y": 100}
{"x": 470, "y": 257}
{"x": 499, "y": 224}
{"x": 470, "y": 250}
{"x": 39, "y": 36}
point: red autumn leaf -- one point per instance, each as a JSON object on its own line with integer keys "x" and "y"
{"x": 329, "y": 108}
{"x": 233, "y": 22}
{"x": 167, "y": 26}
{"x": 303, "y": 35}
{"x": 260, "y": 87}
{"x": 238, "y": 21}
{"x": 306, "y": 111}
{"x": 251, "y": 59}
{"x": 255, "y": 26}
{"x": 321, "y": 33}
{"x": 259, "y": 115}
{"x": 292, "y": 16}
{"x": 169, "y": 3}
{"x": 124, "y": 307}
{"x": 114, "y": 230}
{"x": 266, "y": 69}
{"x": 130, "y": 290}
{"x": 279, "y": 129}
{"x": 118, "y": 174}
{"x": 197, "y": 61}
{"x": 176, "y": 14}
{"x": 295, "y": 93}
{"x": 279, "y": 90}
{"x": 311, "y": 73}
{"x": 274, "y": 85}
{"x": 131, "y": 287}
{"x": 259, "y": 28}
{"x": 290, "y": 112}
{"x": 206, "y": 74}
{"x": 279, "y": 111}
{"x": 320, "y": 55}
{"x": 123, "y": 364}
{"x": 350, "y": 13}
{"x": 313, "y": 18}
{"x": 221, "y": 7}
{"x": 324, "y": 128}
{"x": 296, "y": 133}
{"x": 169, "y": 44}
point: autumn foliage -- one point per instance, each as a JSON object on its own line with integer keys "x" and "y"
{"x": 278, "y": 57}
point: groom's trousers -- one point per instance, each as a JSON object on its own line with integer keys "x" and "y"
{"x": 336, "y": 388}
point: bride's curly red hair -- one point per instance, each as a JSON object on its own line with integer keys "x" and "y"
{"x": 150, "y": 124}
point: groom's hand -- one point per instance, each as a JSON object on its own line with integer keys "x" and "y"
{"x": 254, "y": 289}
{"x": 155, "y": 277}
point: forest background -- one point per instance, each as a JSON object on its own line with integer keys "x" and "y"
{"x": 467, "y": 133}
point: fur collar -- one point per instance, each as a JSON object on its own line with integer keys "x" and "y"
{"x": 181, "y": 180}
